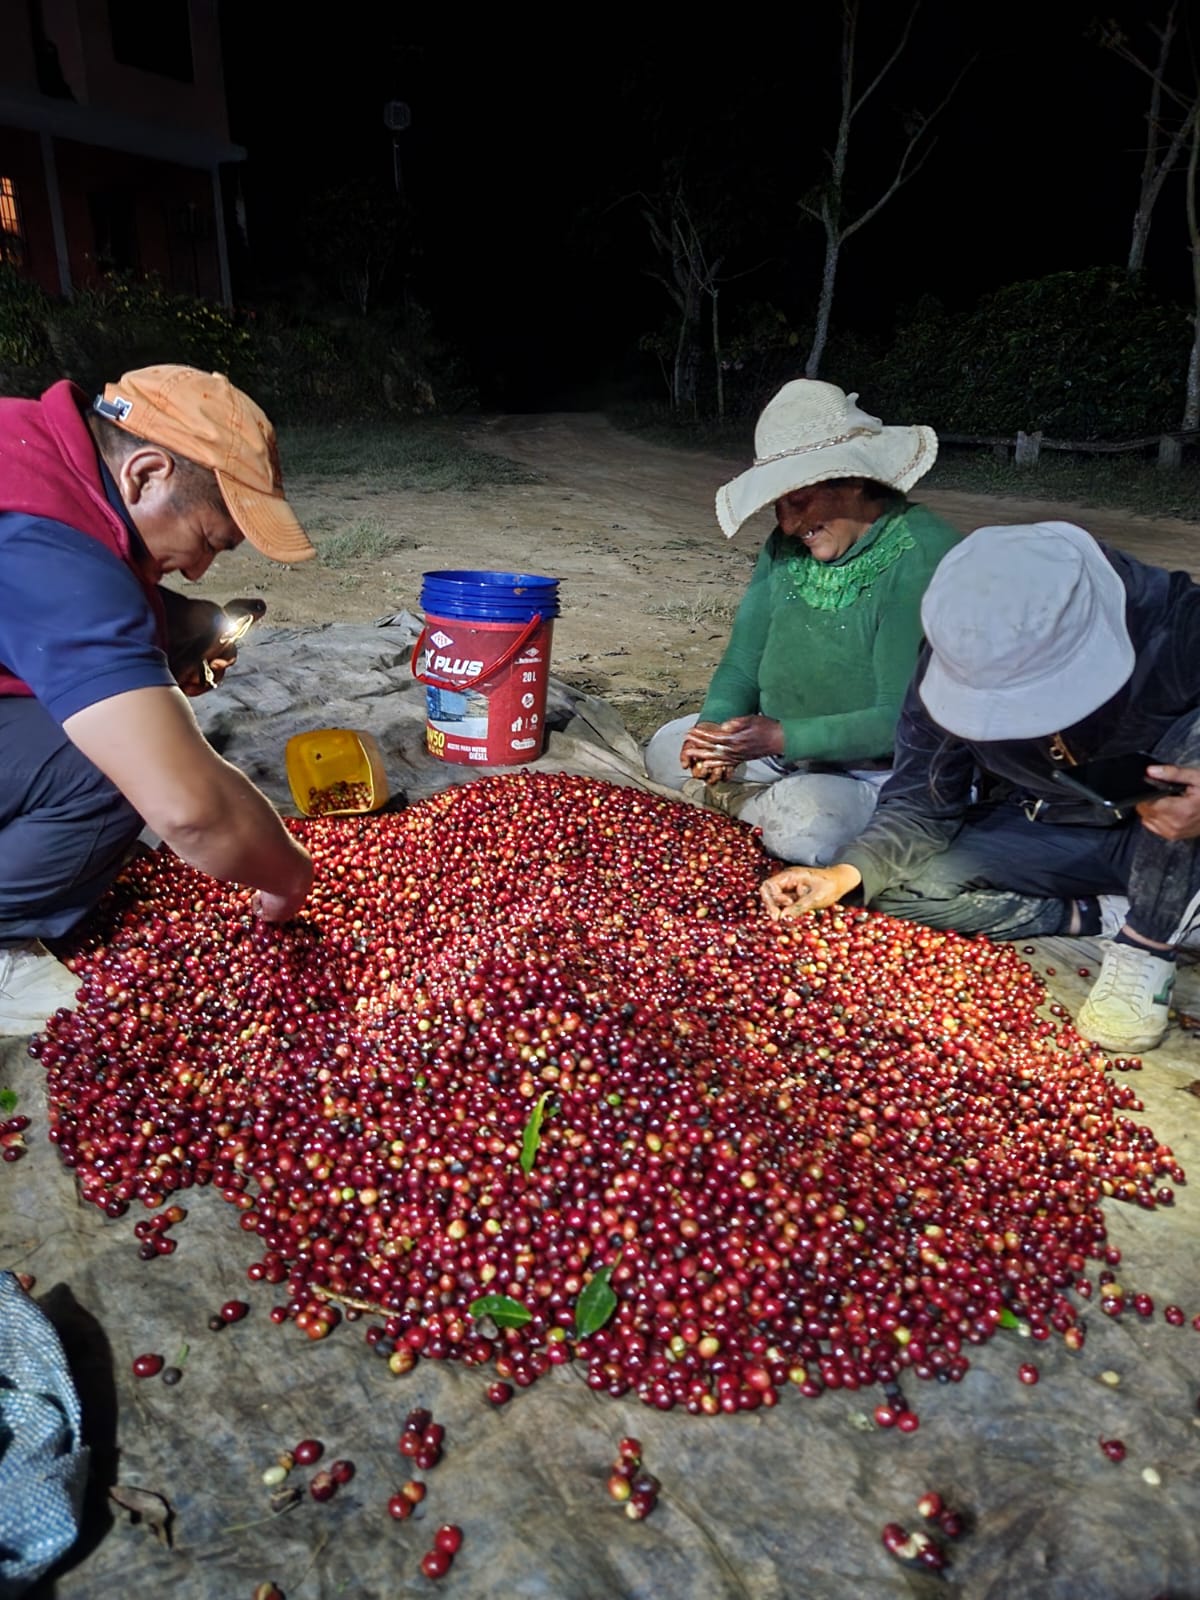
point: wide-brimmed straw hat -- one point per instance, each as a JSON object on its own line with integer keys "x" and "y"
{"x": 1026, "y": 625}
{"x": 812, "y": 431}
{"x": 202, "y": 416}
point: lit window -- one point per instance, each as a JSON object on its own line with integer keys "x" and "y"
{"x": 12, "y": 235}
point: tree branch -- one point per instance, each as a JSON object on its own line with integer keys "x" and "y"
{"x": 1165, "y": 37}
{"x": 887, "y": 66}
{"x": 903, "y": 174}
{"x": 902, "y": 177}
{"x": 672, "y": 289}
{"x": 1117, "y": 43}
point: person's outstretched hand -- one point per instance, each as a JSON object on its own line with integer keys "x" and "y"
{"x": 798, "y": 890}
{"x": 279, "y": 907}
{"x": 1175, "y": 816}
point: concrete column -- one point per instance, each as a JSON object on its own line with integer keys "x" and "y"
{"x": 50, "y": 168}
{"x": 222, "y": 242}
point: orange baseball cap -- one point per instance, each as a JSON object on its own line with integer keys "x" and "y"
{"x": 202, "y": 416}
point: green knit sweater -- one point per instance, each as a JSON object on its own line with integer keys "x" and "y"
{"x": 827, "y": 648}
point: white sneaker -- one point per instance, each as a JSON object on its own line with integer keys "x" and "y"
{"x": 1127, "y": 1009}
{"x": 1114, "y": 913}
{"x": 33, "y": 986}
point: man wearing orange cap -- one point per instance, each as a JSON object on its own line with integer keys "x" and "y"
{"x": 98, "y": 502}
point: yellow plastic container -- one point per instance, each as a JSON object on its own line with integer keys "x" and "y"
{"x": 327, "y": 758}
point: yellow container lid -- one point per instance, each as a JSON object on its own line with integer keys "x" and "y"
{"x": 336, "y": 772}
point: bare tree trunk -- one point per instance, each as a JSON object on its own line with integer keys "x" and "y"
{"x": 689, "y": 274}
{"x": 677, "y": 369}
{"x": 693, "y": 380}
{"x": 1172, "y": 450}
{"x": 812, "y": 366}
{"x": 1191, "y": 407}
{"x": 1141, "y": 234}
{"x": 831, "y": 200}
{"x": 1191, "y": 410}
{"x": 1163, "y": 149}
{"x": 665, "y": 374}
{"x": 716, "y": 341}
{"x": 831, "y": 209}
{"x": 685, "y": 352}
{"x": 1152, "y": 179}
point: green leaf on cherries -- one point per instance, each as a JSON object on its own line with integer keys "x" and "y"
{"x": 504, "y": 1311}
{"x": 596, "y": 1304}
{"x": 1007, "y": 1320}
{"x": 532, "y": 1137}
{"x": 8, "y": 1100}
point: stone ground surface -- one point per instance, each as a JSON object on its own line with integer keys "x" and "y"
{"x": 778, "y": 1505}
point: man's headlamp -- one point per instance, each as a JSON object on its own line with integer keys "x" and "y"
{"x": 237, "y": 618}
{"x": 240, "y": 617}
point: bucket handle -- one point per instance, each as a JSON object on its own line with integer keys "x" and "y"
{"x": 514, "y": 649}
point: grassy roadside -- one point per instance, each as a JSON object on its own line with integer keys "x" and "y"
{"x": 1124, "y": 483}
{"x": 423, "y": 455}
{"x": 431, "y": 455}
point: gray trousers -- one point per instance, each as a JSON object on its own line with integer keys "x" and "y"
{"x": 1015, "y": 879}
{"x": 1012, "y": 878}
{"x": 65, "y": 831}
{"x": 806, "y": 817}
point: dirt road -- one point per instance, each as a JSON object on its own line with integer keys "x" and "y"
{"x": 649, "y": 582}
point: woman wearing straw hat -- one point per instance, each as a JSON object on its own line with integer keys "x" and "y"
{"x": 795, "y": 733}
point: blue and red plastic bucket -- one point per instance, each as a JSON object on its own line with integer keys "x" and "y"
{"x": 484, "y": 658}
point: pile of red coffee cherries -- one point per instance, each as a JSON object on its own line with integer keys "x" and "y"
{"x": 539, "y": 1027}
{"x": 340, "y": 796}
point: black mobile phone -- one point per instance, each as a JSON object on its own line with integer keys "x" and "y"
{"x": 1116, "y": 782}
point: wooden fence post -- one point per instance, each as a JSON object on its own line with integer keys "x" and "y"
{"x": 1170, "y": 453}
{"x": 1029, "y": 447}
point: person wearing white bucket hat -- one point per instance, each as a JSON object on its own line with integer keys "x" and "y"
{"x": 795, "y": 733}
{"x": 1045, "y": 650}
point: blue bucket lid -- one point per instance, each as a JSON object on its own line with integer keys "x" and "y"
{"x": 514, "y": 582}
{"x": 489, "y": 596}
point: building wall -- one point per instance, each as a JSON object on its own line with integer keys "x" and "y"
{"x": 128, "y": 214}
{"x": 108, "y": 84}
{"x": 120, "y": 209}
{"x": 17, "y": 65}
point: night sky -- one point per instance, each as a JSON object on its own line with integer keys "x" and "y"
{"x": 527, "y": 149}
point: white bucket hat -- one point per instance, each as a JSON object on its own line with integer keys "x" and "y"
{"x": 811, "y": 431}
{"x": 1026, "y": 625}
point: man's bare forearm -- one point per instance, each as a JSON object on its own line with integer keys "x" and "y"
{"x": 147, "y": 743}
{"x": 238, "y": 837}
